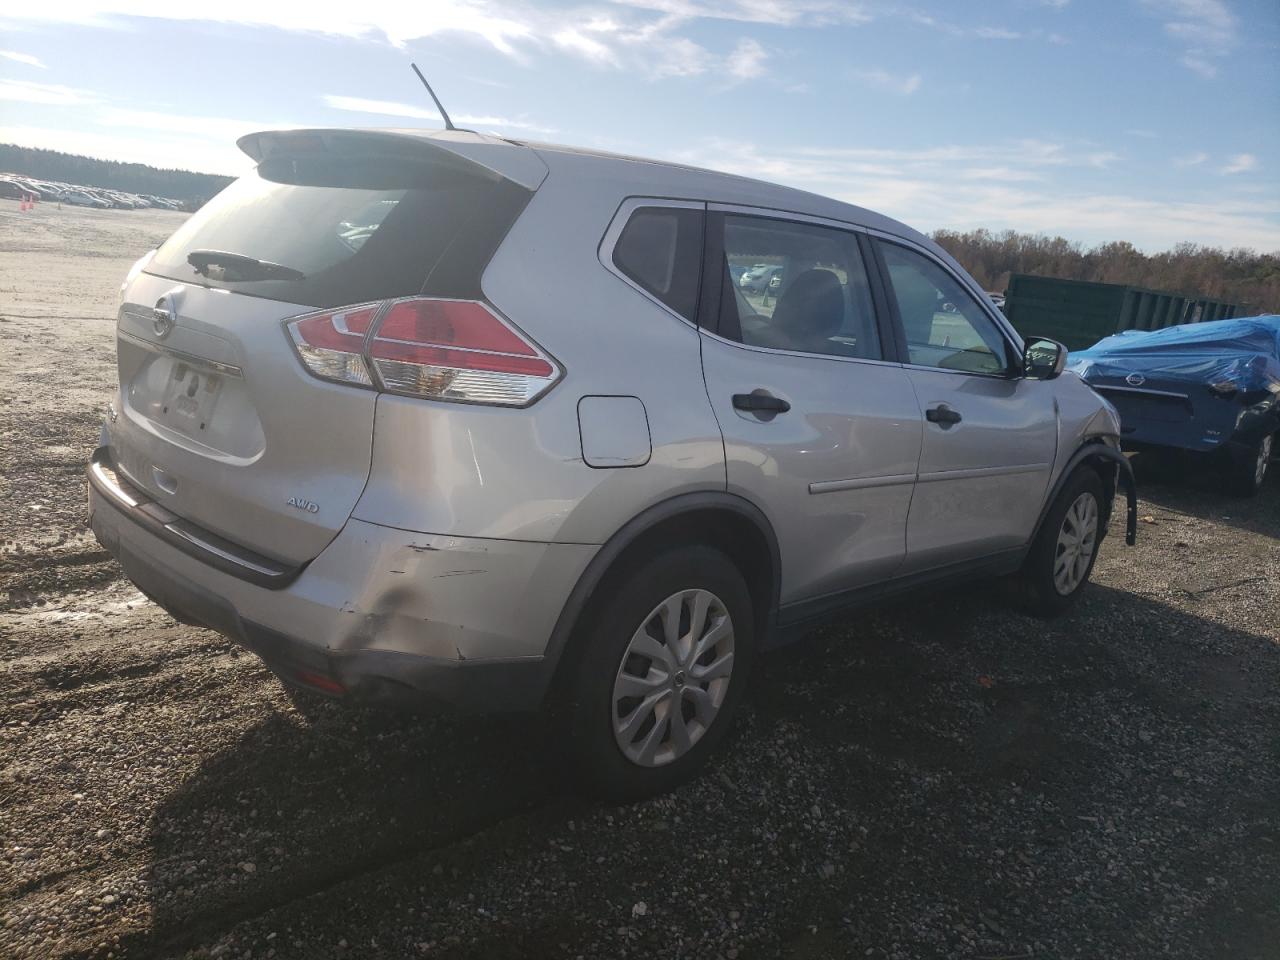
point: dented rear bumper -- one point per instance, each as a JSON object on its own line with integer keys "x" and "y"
{"x": 380, "y": 614}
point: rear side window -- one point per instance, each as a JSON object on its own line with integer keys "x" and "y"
{"x": 336, "y": 233}
{"x": 796, "y": 286}
{"x": 660, "y": 249}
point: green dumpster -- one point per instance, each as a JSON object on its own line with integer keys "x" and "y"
{"x": 1079, "y": 313}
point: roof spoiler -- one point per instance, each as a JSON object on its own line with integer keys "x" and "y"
{"x": 460, "y": 150}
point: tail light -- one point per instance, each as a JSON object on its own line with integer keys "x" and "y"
{"x": 331, "y": 345}
{"x": 456, "y": 350}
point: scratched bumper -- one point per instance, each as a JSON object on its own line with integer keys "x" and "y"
{"x": 384, "y": 613}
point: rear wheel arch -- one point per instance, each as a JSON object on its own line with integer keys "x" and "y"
{"x": 728, "y": 523}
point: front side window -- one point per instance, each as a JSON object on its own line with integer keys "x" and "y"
{"x": 944, "y": 325}
{"x": 660, "y": 249}
{"x": 796, "y": 286}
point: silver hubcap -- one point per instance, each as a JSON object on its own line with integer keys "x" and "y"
{"x": 1076, "y": 542}
{"x": 1264, "y": 457}
{"x": 673, "y": 678}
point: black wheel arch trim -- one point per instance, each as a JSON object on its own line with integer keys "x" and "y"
{"x": 1098, "y": 449}
{"x": 598, "y": 568}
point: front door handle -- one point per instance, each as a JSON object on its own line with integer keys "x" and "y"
{"x": 760, "y": 403}
{"x": 942, "y": 414}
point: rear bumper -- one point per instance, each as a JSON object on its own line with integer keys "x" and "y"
{"x": 380, "y": 615}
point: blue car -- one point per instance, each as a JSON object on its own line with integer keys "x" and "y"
{"x": 1211, "y": 389}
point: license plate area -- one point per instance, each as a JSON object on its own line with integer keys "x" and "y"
{"x": 190, "y": 396}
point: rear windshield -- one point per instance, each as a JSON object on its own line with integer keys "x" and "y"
{"x": 336, "y": 233}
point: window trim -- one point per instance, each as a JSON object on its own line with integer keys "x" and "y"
{"x": 797, "y": 353}
{"x": 1012, "y": 343}
{"x": 713, "y": 292}
{"x": 621, "y": 217}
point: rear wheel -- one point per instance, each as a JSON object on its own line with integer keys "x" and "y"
{"x": 661, "y": 673}
{"x": 1248, "y": 467}
{"x": 1061, "y": 559}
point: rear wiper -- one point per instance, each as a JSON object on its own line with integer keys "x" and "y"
{"x": 233, "y": 267}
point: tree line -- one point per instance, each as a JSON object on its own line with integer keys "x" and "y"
{"x": 1239, "y": 275}
{"x": 192, "y": 189}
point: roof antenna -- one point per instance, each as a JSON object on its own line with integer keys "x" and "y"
{"x": 448, "y": 124}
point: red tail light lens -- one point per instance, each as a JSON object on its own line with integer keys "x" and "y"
{"x": 456, "y": 350}
{"x": 331, "y": 344}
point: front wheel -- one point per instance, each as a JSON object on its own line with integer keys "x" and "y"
{"x": 1248, "y": 467}
{"x": 662, "y": 670}
{"x": 1061, "y": 559}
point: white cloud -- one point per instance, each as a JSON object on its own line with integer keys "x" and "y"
{"x": 1207, "y": 23}
{"x": 1241, "y": 163}
{"x": 888, "y": 81}
{"x": 1005, "y": 174}
{"x": 575, "y": 40}
{"x": 1191, "y": 159}
{"x": 393, "y": 108}
{"x": 747, "y": 60}
{"x": 1056, "y": 4}
{"x": 24, "y": 58}
{"x": 1206, "y": 28}
{"x": 643, "y": 35}
{"x": 982, "y": 33}
{"x": 384, "y": 108}
{"x": 49, "y": 94}
{"x": 782, "y": 13}
{"x": 676, "y": 57}
{"x": 224, "y": 130}
{"x": 1199, "y": 65}
{"x": 1144, "y": 133}
{"x": 964, "y": 187}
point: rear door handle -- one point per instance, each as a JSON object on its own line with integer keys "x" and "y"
{"x": 942, "y": 414}
{"x": 760, "y": 403}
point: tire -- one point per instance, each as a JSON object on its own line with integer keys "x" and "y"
{"x": 1248, "y": 467}
{"x": 1050, "y": 589}
{"x": 627, "y": 747}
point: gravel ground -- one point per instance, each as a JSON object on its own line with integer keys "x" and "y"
{"x": 930, "y": 779}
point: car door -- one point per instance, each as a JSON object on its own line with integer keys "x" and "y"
{"x": 821, "y": 426}
{"x": 990, "y": 434}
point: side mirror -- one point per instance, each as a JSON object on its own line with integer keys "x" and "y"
{"x": 1043, "y": 359}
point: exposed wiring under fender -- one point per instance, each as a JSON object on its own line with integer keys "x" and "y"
{"x": 1124, "y": 474}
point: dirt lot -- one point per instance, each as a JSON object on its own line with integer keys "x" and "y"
{"x": 933, "y": 779}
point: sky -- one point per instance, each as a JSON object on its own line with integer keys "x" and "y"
{"x": 1152, "y": 121}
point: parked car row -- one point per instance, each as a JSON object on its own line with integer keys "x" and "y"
{"x": 14, "y": 187}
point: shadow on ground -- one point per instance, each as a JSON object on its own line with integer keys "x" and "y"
{"x": 991, "y": 781}
{"x": 1197, "y": 489}
{"x": 307, "y": 799}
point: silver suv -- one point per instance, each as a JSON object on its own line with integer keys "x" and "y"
{"x": 452, "y": 419}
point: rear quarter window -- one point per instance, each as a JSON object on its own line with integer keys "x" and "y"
{"x": 660, "y": 250}
{"x": 355, "y": 231}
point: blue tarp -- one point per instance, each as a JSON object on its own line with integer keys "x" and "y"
{"x": 1245, "y": 350}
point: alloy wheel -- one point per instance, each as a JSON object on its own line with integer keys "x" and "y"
{"x": 673, "y": 678}
{"x": 1077, "y": 539}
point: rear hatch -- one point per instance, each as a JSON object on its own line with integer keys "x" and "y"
{"x": 219, "y": 420}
